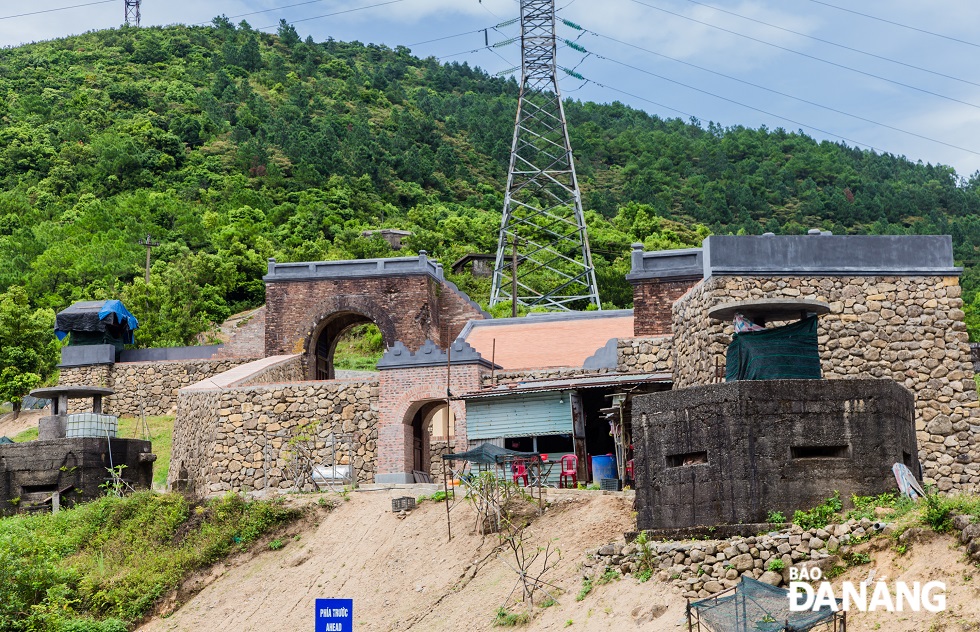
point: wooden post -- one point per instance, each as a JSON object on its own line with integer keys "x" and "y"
{"x": 513, "y": 279}
{"x": 445, "y": 486}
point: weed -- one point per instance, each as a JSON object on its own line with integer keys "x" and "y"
{"x": 775, "y": 516}
{"x": 586, "y": 589}
{"x": 276, "y": 544}
{"x": 507, "y": 619}
{"x": 569, "y": 623}
{"x": 644, "y": 575}
{"x": 438, "y": 497}
{"x": 611, "y": 575}
{"x": 821, "y": 515}
{"x": 901, "y": 549}
{"x": 776, "y": 564}
{"x": 938, "y": 509}
{"x": 856, "y": 559}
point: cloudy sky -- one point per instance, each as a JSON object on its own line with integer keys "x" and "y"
{"x": 897, "y": 78}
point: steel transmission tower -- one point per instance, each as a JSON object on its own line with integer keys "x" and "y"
{"x": 543, "y": 254}
{"x": 132, "y": 12}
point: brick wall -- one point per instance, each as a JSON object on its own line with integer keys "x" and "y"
{"x": 402, "y": 393}
{"x": 246, "y": 336}
{"x": 652, "y": 303}
{"x": 409, "y": 308}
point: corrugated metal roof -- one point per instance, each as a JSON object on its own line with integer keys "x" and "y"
{"x": 572, "y": 383}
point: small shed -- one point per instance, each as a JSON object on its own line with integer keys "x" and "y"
{"x": 96, "y": 323}
{"x": 555, "y": 417}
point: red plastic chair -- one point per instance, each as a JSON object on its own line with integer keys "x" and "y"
{"x": 519, "y": 469}
{"x": 569, "y": 470}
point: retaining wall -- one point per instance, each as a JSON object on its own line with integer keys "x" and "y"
{"x": 143, "y": 387}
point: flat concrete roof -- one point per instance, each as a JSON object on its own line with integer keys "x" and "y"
{"x": 769, "y": 309}
{"x": 829, "y": 255}
{"x": 73, "y": 392}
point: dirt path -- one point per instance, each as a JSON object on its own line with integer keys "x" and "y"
{"x": 404, "y": 575}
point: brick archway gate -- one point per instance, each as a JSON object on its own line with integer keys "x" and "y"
{"x": 411, "y": 382}
{"x": 308, "y": 306}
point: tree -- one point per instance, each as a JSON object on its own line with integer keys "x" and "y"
{"x": 28, "y": 347}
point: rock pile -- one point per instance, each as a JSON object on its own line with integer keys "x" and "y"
{"x": 702, "y": 568}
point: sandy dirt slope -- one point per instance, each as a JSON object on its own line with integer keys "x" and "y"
{"x": 404, "y": 575}
{"x": 10, "y": 427}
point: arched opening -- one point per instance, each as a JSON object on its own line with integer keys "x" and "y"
{"x": 346, "y": 340}
{"x": 423, "y": 433}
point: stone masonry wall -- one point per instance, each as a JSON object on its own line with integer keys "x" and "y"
{"x": 649, "y": 355}
{"x": 144, "y": 387}
{"x": 906, "y": 328}
{"x": 503, "y": 377}
{"x": 238, "y": 439}
{"x": 436, "y": 450}
{"x": 290, "y": 370}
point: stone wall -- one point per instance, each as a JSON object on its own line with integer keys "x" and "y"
{"x": 647, "y": 355}
{"x": 906, "y": 328}
{"x": 503, "y": 377}
{"x": 290, "y": 370}
{"x": 701, "y": 569}
{"x": 436, "y": 450}
{"x": 143, "y": 387}
{"x": 238, "y": 438}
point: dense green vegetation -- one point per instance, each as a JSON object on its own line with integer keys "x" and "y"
{"x": 231, "y": 146}
{"x": 102, "y": 565}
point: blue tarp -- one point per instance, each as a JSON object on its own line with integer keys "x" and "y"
{"x": 97, "y": 316}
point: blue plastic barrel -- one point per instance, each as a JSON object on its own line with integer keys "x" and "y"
{"x": 603, "y": 467}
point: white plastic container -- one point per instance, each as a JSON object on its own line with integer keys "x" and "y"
{"x": 92, "y": 425}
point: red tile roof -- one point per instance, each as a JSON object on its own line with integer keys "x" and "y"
{"x": 529, "y": 343}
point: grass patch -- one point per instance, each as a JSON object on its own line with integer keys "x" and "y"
{"x": 586, "y": 589}
{"x": 508, "y": 619}
{"x": 821, "y": 515}
{"x": 26, "y": 435}
{"x": 359, "y": 349}
{"x": 162, "y": 437}
{"x": 101, "y": 566}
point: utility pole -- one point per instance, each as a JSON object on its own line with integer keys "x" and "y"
{"x": 132, "y": 12}
{"x": 542, "y": 203}
{"x": 149, "y": 244}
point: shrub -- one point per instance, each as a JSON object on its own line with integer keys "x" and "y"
{"x": 937, "y": 513}
{"x": 821, "y": 515}
{"x": 775, "y": 516}
{"x": 776, "y": 564}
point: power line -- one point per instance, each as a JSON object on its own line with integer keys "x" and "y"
{"x": 760, "y": 87}
{"x": 904, "y": 26}
{"x": 439, "y": 39}
{"x": 327, "y": 15}
{"x": 288, "y": 6}
{"x": 74, "y": 6}
{"x": 630, "y": 94}
{"x": 844, "y": 46}
{"x": 813, "y": 57}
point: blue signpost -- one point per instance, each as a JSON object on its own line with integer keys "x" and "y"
{"x": 334, "y": 615}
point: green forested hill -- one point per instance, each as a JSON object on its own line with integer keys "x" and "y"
{"x": 231, "y": 146}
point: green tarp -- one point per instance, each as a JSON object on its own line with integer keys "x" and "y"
{"x": 755, "y": 606}
{"x": 781, "y": 353}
